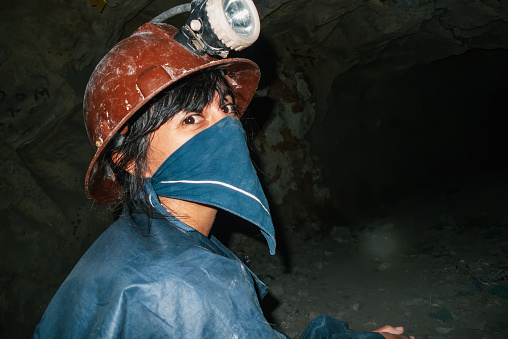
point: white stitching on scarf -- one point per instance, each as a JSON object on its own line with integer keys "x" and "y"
{"x": 218, "y": 183}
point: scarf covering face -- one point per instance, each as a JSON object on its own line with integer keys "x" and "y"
{"x": 214, "y": 168}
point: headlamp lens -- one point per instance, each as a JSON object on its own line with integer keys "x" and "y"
{"x": 238, "y": 16}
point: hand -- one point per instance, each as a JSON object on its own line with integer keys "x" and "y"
{"x": 391, "y": 332}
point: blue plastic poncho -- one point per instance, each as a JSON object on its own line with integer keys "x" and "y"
{"x": 173, "y": 283}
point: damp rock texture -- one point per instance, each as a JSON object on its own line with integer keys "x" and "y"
{"x": 315, "y": 56}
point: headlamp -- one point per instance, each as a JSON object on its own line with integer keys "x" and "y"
{"x": 216, "y": 27}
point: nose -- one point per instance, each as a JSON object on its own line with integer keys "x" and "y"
{"x": 216, "y": 114}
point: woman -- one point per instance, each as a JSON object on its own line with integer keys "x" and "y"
{"x": 170, "y": 147}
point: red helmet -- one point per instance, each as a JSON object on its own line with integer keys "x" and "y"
{"x": 133, "y": 72}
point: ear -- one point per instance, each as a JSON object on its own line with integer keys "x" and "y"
{"x": 117, "y": 158}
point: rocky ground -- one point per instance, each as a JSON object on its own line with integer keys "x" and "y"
{"x": 436, "y": 264}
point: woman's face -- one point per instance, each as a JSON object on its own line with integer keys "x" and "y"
{"x": 183, "y": 126}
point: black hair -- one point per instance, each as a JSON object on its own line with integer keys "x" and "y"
{"x": 130, "y": 149}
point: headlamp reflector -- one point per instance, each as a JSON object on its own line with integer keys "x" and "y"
{"x": 235, "y": 22}
{"x": 239, "y": 17}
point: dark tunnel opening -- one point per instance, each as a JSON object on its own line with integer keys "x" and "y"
{"x": 385, "y": 136}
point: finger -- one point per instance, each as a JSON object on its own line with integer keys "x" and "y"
{"x": 390, "y": 329}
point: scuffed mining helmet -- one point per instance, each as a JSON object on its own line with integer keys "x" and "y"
{"x": 133, "y": 72}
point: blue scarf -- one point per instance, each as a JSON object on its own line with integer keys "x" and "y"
{"x": 214, "y": 168}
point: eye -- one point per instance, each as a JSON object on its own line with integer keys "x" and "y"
{"x": 230, "y": 109}
{"x": 192, "y": 119}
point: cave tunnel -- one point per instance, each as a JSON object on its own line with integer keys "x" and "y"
{"x": 423, "y": 129}
{"x": 378, "y": 133}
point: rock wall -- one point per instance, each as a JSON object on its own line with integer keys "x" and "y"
{"x": 48, "y": 50}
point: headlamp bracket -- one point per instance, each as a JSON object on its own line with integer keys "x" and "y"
{"x": 203, "y": 39}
